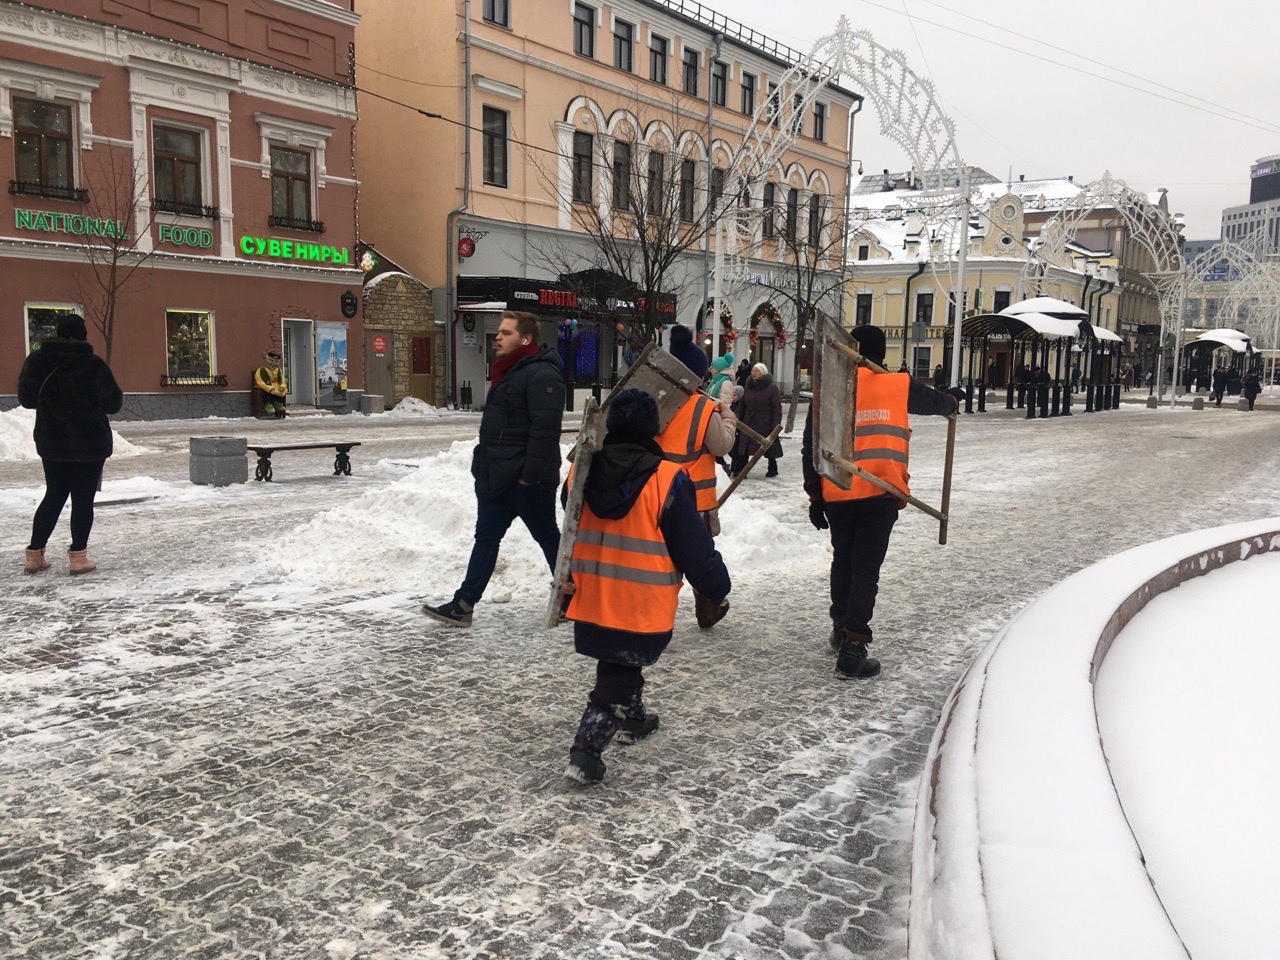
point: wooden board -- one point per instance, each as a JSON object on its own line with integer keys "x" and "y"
{"x": 590, "y": 439}
{"x": 835, "y": 383}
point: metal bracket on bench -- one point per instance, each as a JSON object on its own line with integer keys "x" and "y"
{"x": 263, "y": 470}
{"x": 342, "y": 462}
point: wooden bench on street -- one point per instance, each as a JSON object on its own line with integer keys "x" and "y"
{"x": 341, "y": 462}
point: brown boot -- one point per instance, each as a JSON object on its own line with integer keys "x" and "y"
{"x": 80, "y": 562}
{"x": 35, "y": 561}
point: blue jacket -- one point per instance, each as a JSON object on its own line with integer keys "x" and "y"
{"x": 520, "y": 428}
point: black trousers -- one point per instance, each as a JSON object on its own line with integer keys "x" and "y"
{"x": 860, "y": 532}
{"x": 616, "y": 683}
{"x": 63, "y": 479}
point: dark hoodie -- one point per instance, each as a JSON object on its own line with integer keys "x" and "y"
{"x": 71, "y": 390}
{"x": 619, "y": 472}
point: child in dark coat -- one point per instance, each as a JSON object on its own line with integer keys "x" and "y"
{"x": 639, "y": 536}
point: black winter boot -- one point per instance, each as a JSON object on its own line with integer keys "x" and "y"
{"x": 456, "y": 613}
{"x": 584, "y": 767}
{"x": 853, "y": 662}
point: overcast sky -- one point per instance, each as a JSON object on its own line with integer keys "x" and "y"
{"x": 1205, "y": 107}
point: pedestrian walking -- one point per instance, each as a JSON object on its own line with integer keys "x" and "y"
{"x": 744, "y": 372}
{"x": 516, "y": 463}
{"x": 72, "y": 390}
{"x": 1126, "y": 377}
{"x": 939, "y": 375}
{"x": 1252, "y": 387}
{"x": 1219, "y": 385}
{"x": 861, "y": 518}
{"x": 761, "y": 410}
{"x": 638, "y": 536}
{"x": 272, "y": 387}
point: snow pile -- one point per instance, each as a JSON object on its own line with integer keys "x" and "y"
{"x": 16, "y": 427}
{"x": 416, "y": 535}
{"x": 413, "y": 407}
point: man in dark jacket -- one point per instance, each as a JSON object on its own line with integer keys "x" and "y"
{"x": 640, "y": 534}
{"x": 862, "y": 518}
{"x": 72, "y": 390}
{"x": 516, "y": 464}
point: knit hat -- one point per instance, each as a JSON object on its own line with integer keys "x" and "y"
{"x": 633, "y": 413}
{"x": 764, "y": 371}
{"x": 721, "y": 364}
{"x": 684, "y": 350}
{"x": 870, "y": 342}
{"x": 71, "y": 327}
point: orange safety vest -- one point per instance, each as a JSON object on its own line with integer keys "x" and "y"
{"x": 881, "y": 436}
{"x": 623, "y": 573}
{"x": 682, "y": 441}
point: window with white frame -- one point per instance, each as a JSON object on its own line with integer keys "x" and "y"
{"x": 815, "y": 220}
{"x": 290, "y": 187}
{"x": 494, "y": 146}
{"x": 658, "y": 50}
{"x": 43, "y": 148}
{"x": 719, "y": 82}
{"x": 622, "y": 175}
{"x": 820, "y": 121}
{"x": 688, "y": 189}
{"x": 189, "y": 343}
{"x": 584, "y": 30}
{"x": 498, "y": 11}
{"x": 748, "y": 93}
{"x": 657, "y": 183}
{"x": 583, "y": 167}
{"x": 177, "y": 160}
{"x": 624, "y": 45}
{"x": 691, "y": 72}
{"x": 42, "y": 321}
{"x": 768, "y": 223}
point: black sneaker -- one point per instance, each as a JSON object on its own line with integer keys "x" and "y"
{"x": 853, "y": 662}
{"x": 456, "y": 613}
{"x": 635, "y": 728}
{"x": 584, "y": 767}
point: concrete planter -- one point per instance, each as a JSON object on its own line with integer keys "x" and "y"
{"x": 219, "y": 461}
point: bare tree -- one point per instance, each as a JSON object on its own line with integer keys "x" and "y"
{"x": 643, "y": 201}
{"x": 109, "y": 243}
{"x": 809, "y": 278}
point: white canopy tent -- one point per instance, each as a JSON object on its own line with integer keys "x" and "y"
{"x": 1048, "y": 306}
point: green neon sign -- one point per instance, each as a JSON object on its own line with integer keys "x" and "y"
{"x": 73, "y": 223}
{"x": 278, "y": 249}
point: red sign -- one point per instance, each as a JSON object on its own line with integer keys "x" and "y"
{"x": 466, "y": 247}
{"x": 558, "y": 298}
{"x": 379, "y": 343}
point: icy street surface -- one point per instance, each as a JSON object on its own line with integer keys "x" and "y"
{"x": 239, "y": 737}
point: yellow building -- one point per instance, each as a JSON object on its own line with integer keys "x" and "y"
{"x": 531, "y": 112}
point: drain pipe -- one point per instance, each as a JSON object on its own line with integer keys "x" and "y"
{"x": 906, "y": 312}
{"x": 450, "y": 239}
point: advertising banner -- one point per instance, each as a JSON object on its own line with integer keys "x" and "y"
{"x": 331, "y": 364}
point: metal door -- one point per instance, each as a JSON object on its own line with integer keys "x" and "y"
{"x": 380, "y": 365}
{"x": 298, "y": 338}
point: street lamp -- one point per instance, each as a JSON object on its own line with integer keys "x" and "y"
{"x": 717, "y": 41}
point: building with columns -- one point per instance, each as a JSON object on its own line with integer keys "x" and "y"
{"x": 497, "y": 123}
{"x": 186, "y": 180}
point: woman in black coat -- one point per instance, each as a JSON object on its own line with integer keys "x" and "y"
{"x": 761, "y": 410}
{"x": 71, "y": 390}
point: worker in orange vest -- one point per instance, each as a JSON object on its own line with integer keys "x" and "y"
{"x": 861, "y": 518}
{"x": 638, "y": 537}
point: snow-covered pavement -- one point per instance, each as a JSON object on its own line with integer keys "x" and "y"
{"x": 240, "y": 737}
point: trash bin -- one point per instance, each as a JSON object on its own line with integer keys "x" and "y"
{"x": 219, "y": 461}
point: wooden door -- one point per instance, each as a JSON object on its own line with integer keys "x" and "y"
{"x": 379, "y": 365}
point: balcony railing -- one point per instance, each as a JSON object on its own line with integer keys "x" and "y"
{"x": 203, "y": 211}
{"x": 294, "y": 223}
{"x": 24, "y": 188}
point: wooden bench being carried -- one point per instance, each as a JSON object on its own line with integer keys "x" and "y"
{"x": 341, "y": 462}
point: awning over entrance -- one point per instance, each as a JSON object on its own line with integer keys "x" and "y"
{"x": 1234, "y": 340}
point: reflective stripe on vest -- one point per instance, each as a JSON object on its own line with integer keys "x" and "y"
{"x": 622, "y": 572}
{"x": 682, "y": 443}
{"x": 882, "y": 438}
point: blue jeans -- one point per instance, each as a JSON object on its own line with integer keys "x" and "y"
{"x": 535, "y": 505}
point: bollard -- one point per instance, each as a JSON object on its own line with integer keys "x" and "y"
{"x": 982, "y": 397}
{"x": 1008, "y": 396}
{"x": 1197, "y": 403}
{"x": 1056, "y": 402}
{"x": 1152, "y": 403}
{"x": 1031, "y": 401}
{"x": 218, "y": 461}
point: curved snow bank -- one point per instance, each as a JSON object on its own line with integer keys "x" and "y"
{"x": 16, "y": 443}
{"x": 1022, "y": 849}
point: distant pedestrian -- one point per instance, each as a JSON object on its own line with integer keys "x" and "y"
{"x": 516, "y": 464}
{"x": 762, "y": 412}
{"x": 939, "y": 376}
{"x": 72, "y": 391}
{"x": 744, "y": 372}
{"x": 1252, "y": 387}
{"x": 992, "y": 373}
{"x": 1219, "y": 385}
{"x": 1126, "y": 377}
{"x": 1075, "y": 379}
{"x": 639, "y": 536}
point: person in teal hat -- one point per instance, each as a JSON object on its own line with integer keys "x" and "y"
{"x": 720, "y": 375}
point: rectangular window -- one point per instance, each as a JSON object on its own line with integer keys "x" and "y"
{"x": 658, "y": 59}
{"x": 924, "y": 308}
{"x": 793, "y": 213}
{"x": 862, "y": 312}
{"x": 657, "y": 183}
{"x": 769, "y": 224}
{"x": 189, "y": 343}
{"x": 621, "y": 176}
{"x": 178, "y": 186}
{"x": 688, "y": 176}
{"x": 494, "y": 146}
{"x": 719, "y": 82}
{"x": 820, "y": 121}
{"x": 42, "y": 147}
{"x": 42, "y": 321}
{"x": 583, "y": 170}
{"x": 748, "y": 93}
{"x": 1001, "y": 300}
{"x": 623, "y": 45}
{"x": 584, "y": 30}
{"x": 775, "y": 104}
{"x": 864, "y": 251}
{"x": 290, "y": 184}
{"x": 717, "y": 187}
{"x": 691, "y": 72}
{"x": 815, "y": 220}
{"x": 498, "y": 11}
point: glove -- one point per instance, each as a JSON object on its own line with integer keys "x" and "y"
{"x": 817, "y": 515}
{"x": 707, "y": 611}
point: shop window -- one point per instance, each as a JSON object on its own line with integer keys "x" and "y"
{"x": 291, "y": 189}
{"x": 189, "y": 343}
{"x": 42, "y": 150}
{"x": 178, "y": 183}
{"x": 421, "y": 352}
{"x": 42, "y": 321}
